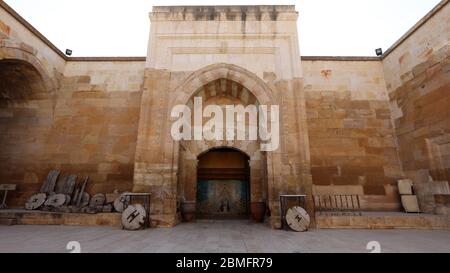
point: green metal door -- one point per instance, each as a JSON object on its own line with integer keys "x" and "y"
{"x": 222, "y": 198}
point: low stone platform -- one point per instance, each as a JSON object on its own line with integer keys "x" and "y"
{"x": 25, "y": 217}
{"x": 383, "y": 220}
{"x": 368, "y": 220}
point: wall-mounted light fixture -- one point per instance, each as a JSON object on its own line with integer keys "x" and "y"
{"x": 379, "y": 51}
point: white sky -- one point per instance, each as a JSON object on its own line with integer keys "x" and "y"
{"x": 120, "y": 28}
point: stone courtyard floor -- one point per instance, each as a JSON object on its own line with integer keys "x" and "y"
{"x": 217, "y": 236}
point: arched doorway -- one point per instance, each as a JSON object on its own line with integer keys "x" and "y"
{"x": 19, "y": 83}
{"x": 221, "y": 178}
{"x": 223, "y": 184}
{"x": 26, "y": 111}
{"x": 168, "y": 168}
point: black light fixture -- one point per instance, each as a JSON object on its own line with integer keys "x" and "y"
{"x": 68, "y": 52}
{"x": 379, "y": 51}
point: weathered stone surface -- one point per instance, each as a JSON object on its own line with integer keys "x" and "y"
{"x": 423, "y": 129}
{"x": 350, "y": 136}
{"x": 386, "y": 221}
{"x": 347, "y": 125}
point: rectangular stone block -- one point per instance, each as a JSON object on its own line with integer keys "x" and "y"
{"x": 353, "y": 123}
{"x": 374, "y": 190}
{"x": 410, "y": 203}
{"x": 345, "y": 180}
{"x": 405, "y": 186}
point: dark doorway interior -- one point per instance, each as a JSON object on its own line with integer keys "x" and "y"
{"x": 223, "y": 188}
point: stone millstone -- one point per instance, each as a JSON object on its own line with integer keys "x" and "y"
{"x": 84, "y": 201}
{"x": 56, "y": 200}
{"x": 133, "y": 217}
{"x": 50, "y": 182}
{"x": 107, "y": 208}
{"x": 81, "y": 193}
{"x": 66, "y": 185}
{"x": 298, "y": 219}
{"x": 111, "y": 197}
{"x": 119, "y": 203}
{"x": 35, "y": 201}
{"x": 97, "y": 200}
{"x": 73, "y": 202}
{"x": 68, "y": 200}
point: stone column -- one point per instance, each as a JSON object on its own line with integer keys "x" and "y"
{"x": 289, "y": 167}
{"x": 255, "y": 181}
{"x": 190, "y": 182}
{"x": 156, "y": 163}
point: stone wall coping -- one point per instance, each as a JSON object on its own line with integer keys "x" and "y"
{"x": 341, "y": 58}
{"x": 176, "y": 8}
{"x": 106, "y": 59}
{"x": 416, "y": 27}
{"x": 224, "y": 13}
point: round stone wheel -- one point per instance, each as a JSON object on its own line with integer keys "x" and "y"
{"x": 85, "y": 200}
{"x": 35, "y": 201}
{"x": 97, "y": 200}
{"x": 133, "y": 217}
{"x": 56, "y": 200}
{"x": 298, "y": 219}
{"x": 68, "y": 199}
{"x": 119, "y": 203}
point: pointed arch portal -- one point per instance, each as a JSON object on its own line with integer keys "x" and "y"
{"x": 173, "y": 170}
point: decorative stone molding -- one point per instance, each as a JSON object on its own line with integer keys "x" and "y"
{"x": 196, "y": 80}
{"x": 224, "y": 13}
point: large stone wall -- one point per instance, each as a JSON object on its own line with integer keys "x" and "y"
{"x": 88, "y": 128}
{"x": 95, "y": 124}
{"x": 30, "y": 71}
{"x": 25, "y": 122}
{"x": 353, "y": 150}
{"x": 357, "y": 124}
{"x": 418, "y": 82}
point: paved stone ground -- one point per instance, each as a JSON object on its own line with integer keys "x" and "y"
{"x": 217, "y": 236}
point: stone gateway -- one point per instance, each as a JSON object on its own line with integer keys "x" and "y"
{"x": 347, "y": 125}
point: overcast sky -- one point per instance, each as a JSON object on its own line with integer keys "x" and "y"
{"x": 121, "y": 28}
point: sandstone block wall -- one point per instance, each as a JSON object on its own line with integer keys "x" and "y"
{"x": 353, "y": 149}
{"x": 24, "y": 131}
{"x": 89, "y": 127}
{"x": 95, "y": 125}
{"x": 29, "y": 76}
{"x": 360, "y": 124}
{"x": 418, "y": 82}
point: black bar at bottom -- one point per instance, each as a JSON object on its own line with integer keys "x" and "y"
{"x": 252, "y": 262}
